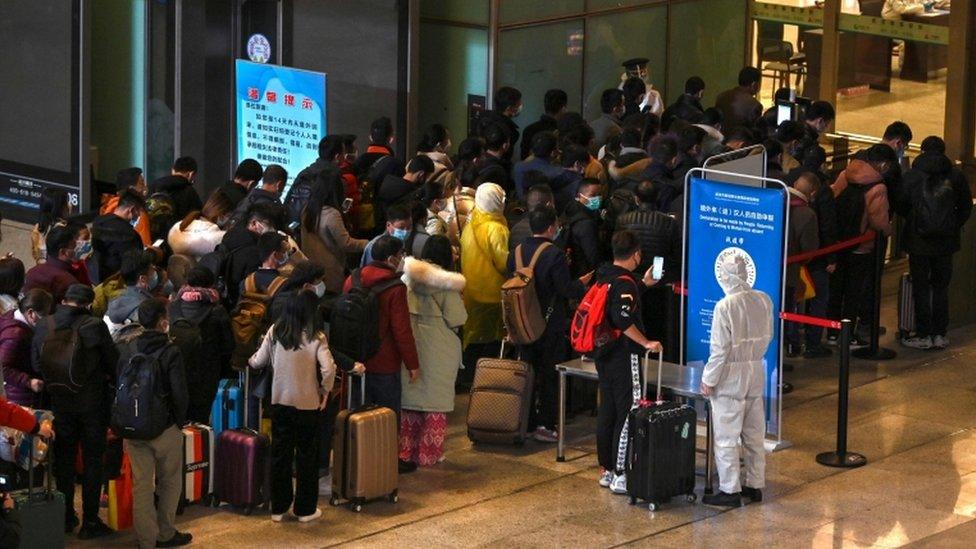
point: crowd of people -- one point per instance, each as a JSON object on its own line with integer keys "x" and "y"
{"x": 434, "y": 236}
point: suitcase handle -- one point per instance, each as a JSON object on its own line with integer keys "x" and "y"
{"x": 362, "y": 389}
{"x": 660, "y": 366}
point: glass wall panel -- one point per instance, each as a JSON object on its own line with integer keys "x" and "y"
{"x": 535, "y": 59}
{"x": 612, "y": 39}
{"x": 512, "y": 11}
{"x": 467, "y": 11}
{"x": 594, "y": 5}
{"x": 160, "y": 115}
{"x": 461, "y": 57}
{"x": 707, "y": 40}
{"x": 787, "y": 39}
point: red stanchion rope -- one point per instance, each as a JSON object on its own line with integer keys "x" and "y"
{"x": 811, "y": 320}
{"x": 807, "y": 256}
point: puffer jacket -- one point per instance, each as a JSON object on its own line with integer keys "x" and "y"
{"x": 659, "y": 235}
{"x": 876, "y": 217}
{"x": 926, "y": 169}
{"x": 198, "y": 239}
{"x": 15, "y": 359}
{"x": 112, "y": 236}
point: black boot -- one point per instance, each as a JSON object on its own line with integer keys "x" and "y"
{"x": 721, "y": 499}
{"x": 754, "y": 495}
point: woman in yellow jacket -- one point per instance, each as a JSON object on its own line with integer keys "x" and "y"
{"x": 484, "y": 258}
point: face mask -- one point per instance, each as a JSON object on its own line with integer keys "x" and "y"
{"x": 83, "y": 249}
{"x": 284, "y": 259}
{"x": 518, "y": 111}
{"x": 901, "y": 153}
{"x": 319, "y": 289}
{"x": 559, "y": 231}
{"x": 153, "y": 280}
{"x": 134, "y": 221}
{"x": 401, "y": 234}
{"x": 593, "y": 203}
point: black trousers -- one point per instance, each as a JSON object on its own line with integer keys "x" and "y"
{"x": 87, "y": 428}
{"x": 295, "y": 437}
{"x": 551, "y": 349}
{"x": 930, "y": 288}
{"x": 328, "y": 420}
{"x": 383, "y": 390}
{"x": 852, "y": 290}
{"x": 620, "y": 390}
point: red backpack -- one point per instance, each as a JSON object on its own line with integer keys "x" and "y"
{"x": 590, "y": 329}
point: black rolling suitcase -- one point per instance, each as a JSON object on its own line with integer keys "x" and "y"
{"x": 906, "y": 307}
{"x": 661, "y": 449}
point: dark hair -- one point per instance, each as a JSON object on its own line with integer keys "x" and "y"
{"x": 432, "y": 191}
{"x": 248, "y": 170}
{"x": 544, "y": 144}
{"x": 532, "y": 178}
{"x": 690, "y": 137}
{"x": 814, "y": 157}
{"x": 880, "y": 153}
{"x": 60, "y": 237}
{"x": 134, "y": 264}
{"x": 438, "y": 251}
{"x": 624, "y": 244}
{"x": 554, "y": 101}
{"x": 51, "y": 209}
{"x": 126, "y": 177}
{"x": 647, "y": 192}
{"x": 773, "y": 149}
{"x": 663, "y": 149}
{"x": 269, "y": 243}
{"x": 217, "y": 204}
{"x": 331, "y": 146}
{"x": 11, "y": 276}
{"x": 185, "y": 164}
{"x": 495, "y": 137}
{"x": 694, "y": 85}
{"x": 151, "y": 312}
{"x": 328, "y": 190}
{"x": 385, "y": 247}
{"x": 630, "y": 137}
{"x": 648, "y": 124}
{"x": 470, "y": 149}
{"x": 749, "y": 76}
{"x": 266, "y": 212}
{"x": 712, "y": 117}
{"x": 506, "y": 97}
{"x": 573, "y": 153}
{"x": 129, "y": 198}
{"x": 380, "y": 130}
{"x": 200, "y": 277}
{"x": 421, "y": 163}
{"x": 466, "y": 170}
{"x": 273, "y": 174}
{"x": 819, "y": 109}
{"x": 588, "y": 182}
{"x": 634, "y": 87}
{"x": 297, "y": 321}
{"x": 538, "y": 195}
{"x": 433, "y": 136}
{"x": 789, "y": 130}
{"x": 933, "y": 144}
{"x": 782, "y": 94}
{"x": 581, "y": 135}
{"x": 541, "y": 218}
{"x": 898, "y": 130}
{"x": 37, "y": 299}
{"x": 741, "y": 133}
{"x": 304, "y": 272}
{"x": 610, "y": 98}
{"x": 398, "y": 212}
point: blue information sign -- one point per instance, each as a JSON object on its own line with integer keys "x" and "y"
{"x": 280, "y": 115}
{"x": 750, "y": 222}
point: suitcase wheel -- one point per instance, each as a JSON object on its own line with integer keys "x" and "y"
{"x": 652, "y": 506}
{"x": 249, "y": 509}
{"x": 692, "y": 497}
{"x": 215, "y": 501}
{"x": 394, "y": 497}
{"x": 356, "y": 507}
{"x": 633, "y": 500}
{"x": 334, "y": 501}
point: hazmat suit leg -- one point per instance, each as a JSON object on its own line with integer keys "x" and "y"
{"x": 727, "y": 418}
{"x": 753, "y": 442}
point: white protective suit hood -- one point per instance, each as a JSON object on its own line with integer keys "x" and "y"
{"x": 732, "y": 275}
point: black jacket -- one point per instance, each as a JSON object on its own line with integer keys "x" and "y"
{"x": 301, "y": 188}
{"x": 930, "y": 168}
{"x": 373, "y": 153}
{"x": 659, "y": 235}
{"x": 496, "y": 170}
{"x": 241, "y": 245}
{"x": 825, "y": 206}
{"x": 235, "y": 192}
{"x": 172, "y": 374}
{"x": 687, "y": 108}
{"x": 623, "y": 311}
{"x": 496, "y": 117}
{"x": 581, "y": 239}
{"x": 669, "y": 188}
{"x": 216, "y": 338}
{"x": 181, "y": 191}
{"x": 545, "y": 123}
{"x": 256, "y": 196}
{"x": 554, "y": 285}
{"x": 10, "y": 528}
{"x": 519, "y": 232}
{"x": 394, "y": 189}
{"x": 97, "y": 356}
{"x": 112, "y": 236}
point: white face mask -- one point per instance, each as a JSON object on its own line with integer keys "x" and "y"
{"x": 319, "y": 289}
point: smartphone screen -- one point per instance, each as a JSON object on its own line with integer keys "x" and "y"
{"x": 346, "y": 205}
{"x": 784, "y": 112}
{"x": 657, "y": 269}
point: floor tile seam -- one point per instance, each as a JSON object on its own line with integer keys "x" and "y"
{"x": 921, "y": 541}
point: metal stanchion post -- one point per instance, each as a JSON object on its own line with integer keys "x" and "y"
{"x": 874, "y": 351}
{"x": 841, "y": 457}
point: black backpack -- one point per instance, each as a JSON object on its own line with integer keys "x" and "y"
{"x": 935, "y": 209}
{"x": 355, "y": 324}
{"x": 186, "y": 334}
{"x": 141, "y": 408}
{"x": 850, "y": 210}
{"x": 60, "y": 366}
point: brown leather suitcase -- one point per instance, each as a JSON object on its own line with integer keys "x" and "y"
{"x": 365, "y": 451}
{"x": 501, "y": 395}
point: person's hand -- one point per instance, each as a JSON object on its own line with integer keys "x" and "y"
{"x": 324, "y": 401}
{"x": 46, "y": 429}
{"x": 707, "y": 390}
{"x": 649, "y": 279}
{"x": 653, "y": 346}
{"x": 414, "y": 375}
{"x": 8, "y": 502}
{"x": 585, "y": 279}
{"x": 37, "y": 385}
{"x": 831, "y": 268}
{"x": 358, "y": 369}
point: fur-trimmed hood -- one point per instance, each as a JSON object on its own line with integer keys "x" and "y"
{"x": 426, "y": 278}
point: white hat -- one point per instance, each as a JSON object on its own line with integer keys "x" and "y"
{"x": 490, "y": 198}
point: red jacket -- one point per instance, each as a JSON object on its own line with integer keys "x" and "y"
{"x": 16, "y": 417}
{"x": 15, "y": 351}
{"x": 397, "y": 345}
{"x": 53, "y": 275}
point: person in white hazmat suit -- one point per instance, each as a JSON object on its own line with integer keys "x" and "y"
{"x": 734, "y": 380}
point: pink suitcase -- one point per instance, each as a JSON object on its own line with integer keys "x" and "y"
{"x": 243, "y": 468}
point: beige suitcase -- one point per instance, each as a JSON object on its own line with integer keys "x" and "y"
{"x": 501, "y": 395}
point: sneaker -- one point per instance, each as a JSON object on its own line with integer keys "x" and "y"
{"x": 606, "y": 477}
{"x": 179, "y": 539}
{"x": 94, "y": 529}
{"x": 858, "y": 342}
{"x": 543, "y": 434}
{"x": 787, "y": 387}
{"x": 792, "y": 351}
{"x": 325, "y": 486}
{"x": 619, "y": 484}
{"x": 754, "y": 495}
{"x": 277, "y": 518}
{"x": 940, "y": 342}
{"x": 314, "y": 516}
{"x": 817, "y": 352}
{"x": 918, "y": 342}
{"x": 721, "y": 499}
{"x": 405, "y": 466}
{"x": 70, "y": 523}
{"x": 831, "y": 341}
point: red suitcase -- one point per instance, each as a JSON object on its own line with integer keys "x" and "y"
{"x": 243, "y": 471}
